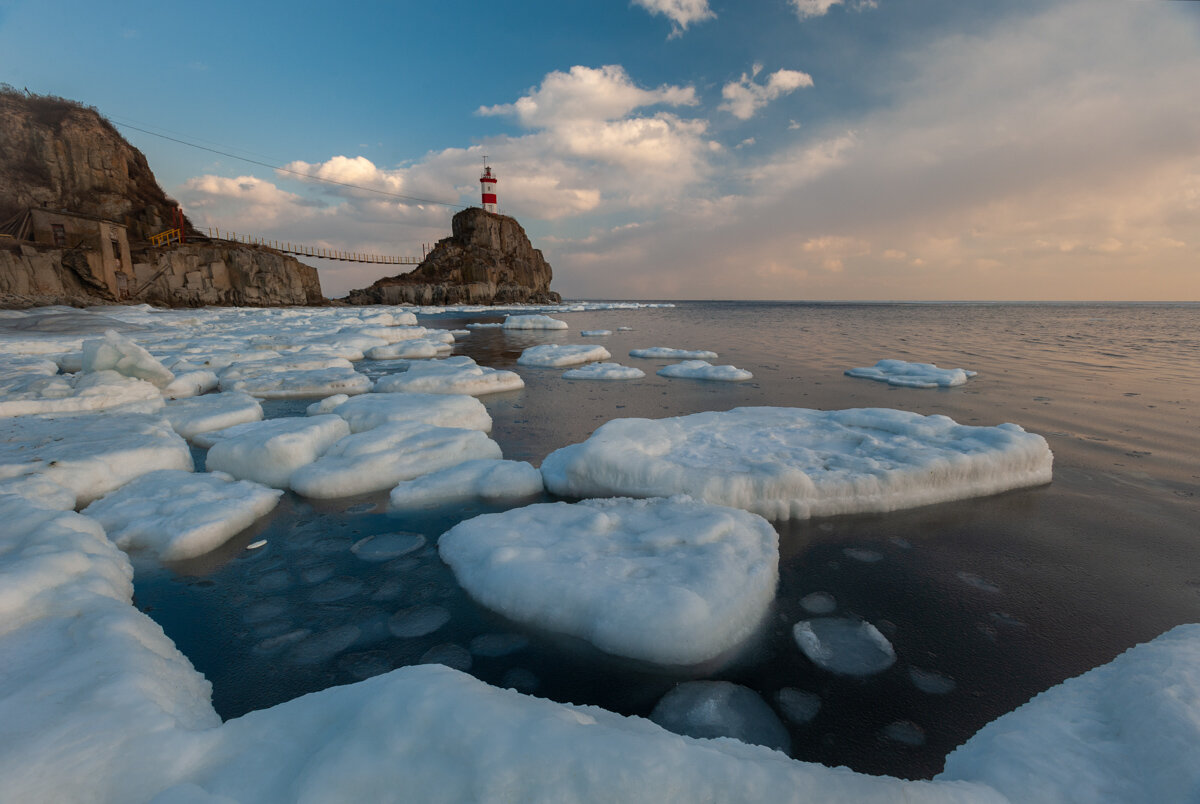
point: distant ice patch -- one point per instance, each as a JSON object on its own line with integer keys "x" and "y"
{"x": 912, "y": 375}
{"x": 533, "y": 322}
{"x": 672, "y": 582}
{"x": 555, "y": 355}
{"x": 844, "y": 646}
{"x": 709, "y": 709}
{"x": 604, "y": 371}
{"x": 481, "y": 479}
{"x": 595, "y": 333}
{"x": 667, "y": 353}
{"x": 703, "y": 370}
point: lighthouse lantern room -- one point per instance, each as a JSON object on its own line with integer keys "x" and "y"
{"x": 487, "y": 183}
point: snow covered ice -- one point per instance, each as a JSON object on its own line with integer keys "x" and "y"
{"x": 203, "y": 414}
{"x": 453, "y": 375}
{"x": 797, "y": 463}
{"x": 668, "y": 353}
{"x": 533, "y": 322}
{"x": 480, "y": 479}
{"x": 555, "y": 355}
{"x": 912, "y": 375}
{"x": 703, "y": 370}
{"x": 270, "y": 451}
{"x": 71, "y": 393}
{"x": 666, "y": 581}
{"x": 844, "y": 646}
{"x": 604, "y": 371}
{"x": 709, "y": 709}
{"x": 120, "y": 354}
{"x": 369, "y": 411}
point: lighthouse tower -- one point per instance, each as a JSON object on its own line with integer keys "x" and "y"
{"x": 487, "y": 183}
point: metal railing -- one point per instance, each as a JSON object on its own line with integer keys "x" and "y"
{"x": 311, "y": 251}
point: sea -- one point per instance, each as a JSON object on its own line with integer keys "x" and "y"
{"x": 987, "y": 602}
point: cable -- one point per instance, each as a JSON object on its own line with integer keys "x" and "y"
{"x": 295, "y": 172}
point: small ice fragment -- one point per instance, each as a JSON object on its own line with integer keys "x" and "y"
{"x": 667, "y": 353}
{"x": 709, "y": 709}
{"x": 604, "y": 371}
{"x": 844, "y": 646}
{"x": 905, "y": 732}
{"x": 386, "y": 546}
{"x": 931, "y": 682}
{"x": 257, "y": 544}
{"x": 972, "y": 579}
{"x": 533, "y": 322}
{"x": 322, "y": 647}
{"x": 362, "y": 666}
{"x": 326, "y": 405}
{"x": 418, "y": 621}
{"x": 336, "y": 589}
{"x": 595, "y": 333}
{"x": 912, "y": 375}
{"x": 798, "y": 706}
{"x": 819, "y": 603}
{"x": 862, "y": 554}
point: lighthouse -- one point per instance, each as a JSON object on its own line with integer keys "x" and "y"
{"x": 487, "y": 184}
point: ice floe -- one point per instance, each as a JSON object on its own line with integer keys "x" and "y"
{"x": 798, "y": 706}
{"x": 115, "y": 352}
{"x": 818, "y": 603}
{"x": 453, "y": 375}
{"x": 664, "y": 581}
{"x": 481, "y": 479}
{"x": 794, "y": 462}
{"x": 203, "y": 414}
{"x": 278, "y": 383}
{"x": 415, "y": 349}
{"x": 604, "y": 371}
{"x": 270, "y": 452}
{"x": 595, "y": 333}
{"x": 72, "y": 393}
{"x": 385, "y": 455}
{"x": 709, "y": 709}
{"x": 912, "y": 375}
{"x": 844, "y": 646}
{"x": 703, "y": 370}
{"x": 177, "y": 514}
{"x": 535, "y": 321}
{"x": 556, "y": 355}
{"x": 667, "y": 353}
{"x": 369, "y": 411}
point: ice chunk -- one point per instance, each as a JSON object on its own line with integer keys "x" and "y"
{"x": 710, "y": 709}
{"x": 904, "y": 732}
{"x": 863, "y": 554}
{"x": 320, "y": 648}
{"x": 798, "y": 706}
{"x": 418, "y": 621}
{"x": 118, "y": 353}
{"x": 90, "y": 454}
{"x": 703, "y": 370}
{"x": 73, "y": 393}
{"x": 203, "y": 414}
{"x": 414, "y": 349}
{"x": 490, "y": 480}
{"x": 792, "y": 462}
{"x": 369, "y": 411}
{"x": 604, "y": 371}
{"x": 384, "y": 456}
{"x": 818, "y": 603}
{"x": 450, "y": 376}
{"x": 190, "y": 383}
{"x": 386, "y": 546}
{"x": 336, "y": 589}
{"x": 300, "y": 383}
{"x": 595, "y": 333}
{"x": 533, "y": 322}
{"x": 326, "y": 405}
{"x": 665, "y": 581}
{"x": 554, "y": 355}
{"x": 178, "y": 515}
{"x": 667, "y": 353}
{"x": 269, "y": 452}
{"x": 844, "y": 646}
{"x": 912, "y": 375}
{"x": 930, "y": 682}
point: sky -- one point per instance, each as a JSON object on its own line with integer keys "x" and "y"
{"x": 673, "y": 149}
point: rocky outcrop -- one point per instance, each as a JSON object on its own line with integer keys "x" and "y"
{"x": 33, "y": 275}
{"x": 251, "y": 276}
{"x": 488, "y": 259}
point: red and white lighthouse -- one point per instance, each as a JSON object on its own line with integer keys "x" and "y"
{"x": 487, "y": 184}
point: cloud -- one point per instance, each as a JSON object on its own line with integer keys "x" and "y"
{"x": 745, "y": 97}
{"x": 806, "y": 9}
{"x": 682, "y": 13}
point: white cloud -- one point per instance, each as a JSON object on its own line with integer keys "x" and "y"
{"x": 744, "y": 97}
{"x": 819, "y": 8}
{"x": 682, "y": 13}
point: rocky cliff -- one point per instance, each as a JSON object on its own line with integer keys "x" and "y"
{"x": 487, "y": 259}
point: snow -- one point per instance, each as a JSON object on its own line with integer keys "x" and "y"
{"x": 442, "y": 410}
{"x": 844, "y": 646}
{"x": 277, "y": 383}
{"x": 555, "y": 355}
{"x": 709, "y": 709}
{"x": 90, "y": 454}
{"x": 118, "y": 353}
{"x": 385, "y": 455}
{"x": 454, "y": 375}
{"x": 203, "y": 414}
{"x": 488, "y": 480}
{"x": 797, "y": 463}
{"x": 415, "y": 349}
{"x": 912, "y": 375}
{"x": 666, "y": 352}
{"x": 533, "y": 322}
{"x": 178, "y": 515}
{"x": 270, "y": 451}
{"x": 703, "y": 370}
{"x": 604, "y": 371}
{"x": 671, "y": 582}
{"x": 72, "y": 393}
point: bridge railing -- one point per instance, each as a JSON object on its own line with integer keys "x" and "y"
{"x": 318, "y": 252}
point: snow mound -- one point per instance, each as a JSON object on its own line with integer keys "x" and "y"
{"x": 454, "y": 375}
{"x": 532, "y": 322}
{"x": 798, "y": 463}
{"x": 369, "y": 411}
{"x": 90, "y": 454}
{"x": 117, "y": 353}
{"x": 488, "y": 480}
{"x": 269, "y": 452}
{"x": 77, "y": 393}
{"x": 556, "y": 355}
{"x": 666, "y": 352}
{"x": 178, "y": 514}
{"x": 672, "y": 582}
{"x": 708, "y": 709}
{"x": 844, "y": 646}
{"x": 203, "y": 414}
{"x": 912, "y": 375}
{"x": 703, "y": 370}
{"x": 384, "y": 456}
{"x": 604, "y": 371}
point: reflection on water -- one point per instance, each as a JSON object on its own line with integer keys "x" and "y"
{"x": 987, "y": 602}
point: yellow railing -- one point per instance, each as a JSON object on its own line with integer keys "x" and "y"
{"x": 166, "y": 238}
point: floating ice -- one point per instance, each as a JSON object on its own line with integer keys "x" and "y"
{"x": 320, "y": 648}
{"x": 386, "y": 546}
{"x": 369, "y": 411}
{"x": 912, "y": 375}
{"x": 863, "y": 554}
{"x": 666, "y": 352}
{"x": 792, "y": 462}
{"x": 299, "y": 383}
{"x": 703, "y": 370}
{"x": 190, "y": 383}
{"x": 595, "y": 333}
{"x": 709, "y": 709}
{"x": 40, "y": 490}
{"x": 178, "y": 515}
{"x": 798, "y": 706}
{"x": 386, "y": 455}
{"x": 481, "y": 479}
{"x": 604, "y": 371}
{"x": 336, "y": 589}
{"x": 905, "y": 732}
{"x": 556, "y": 355}
{"x": 454, "y": 375}
{"x": 91, "y": 454}
{"x": 418, "y": 621}
{"x": 533, "y": 322}
{"x": 72, "y": 393}
{"x": 818, "y": 603}
{"x": 203, "y": 414}
{"x": 414, "y": 349}
{"x": 326, "y": 405}
{"x": 844, "y": 646}
{"x": 930, "y": 682}
{"x": 666, "y": 581}
{"x": 270, "y": 451}
{"x": 118, "y": 353}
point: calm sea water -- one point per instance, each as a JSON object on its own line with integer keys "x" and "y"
{"x": 1006, "y": 595}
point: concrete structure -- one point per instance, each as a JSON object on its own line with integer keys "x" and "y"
{"x": 103, "y": 244}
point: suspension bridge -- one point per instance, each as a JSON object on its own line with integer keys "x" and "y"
{"x": 175, "y": 235}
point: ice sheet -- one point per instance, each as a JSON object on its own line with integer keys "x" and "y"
{"x": 709, "y": 709}
{"x": 703, "y": 370}
{"x": 604, "y": 371}
{"x": 490, "y": 480}
{"x": 668, "y": 353}
{"x": 454, "y": 375}
{"x": 912, "y": 375}
{"x": 72, "y": 393}
{"x": 203, "y": 414}
{"x": 270, "y": 451}
{"x": 535, "y": 321}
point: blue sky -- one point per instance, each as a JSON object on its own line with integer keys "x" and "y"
{"x": 794, "y": 149}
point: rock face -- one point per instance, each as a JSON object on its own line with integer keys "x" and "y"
{"x": 488, "y": 259}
